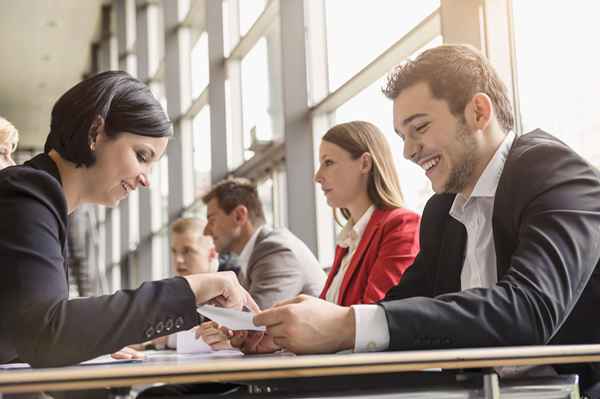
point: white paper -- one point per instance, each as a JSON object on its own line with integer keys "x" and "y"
{"x": 100, "y": 360}
{"x": 188, "y": 343}
{"x": 233, "y": 319}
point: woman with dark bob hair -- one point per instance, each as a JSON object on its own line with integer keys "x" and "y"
{"x": 105, "y": 134}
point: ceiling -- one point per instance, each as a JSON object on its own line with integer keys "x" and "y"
{"x": 45, "y": 49}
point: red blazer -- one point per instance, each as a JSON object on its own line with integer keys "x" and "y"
{"x": 387, "y": 248}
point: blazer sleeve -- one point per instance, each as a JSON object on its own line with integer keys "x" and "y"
{"x": 44, "y": 326}
{"x": 274, "y": 277}
{"x": 399, "y": 246}
{"x": 557, "y": 251}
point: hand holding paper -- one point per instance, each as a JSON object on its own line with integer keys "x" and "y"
{"x": 232, "y": 319}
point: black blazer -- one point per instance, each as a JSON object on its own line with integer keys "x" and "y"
{"x": 39, "y": 324}
{"x": 546, "y": 227}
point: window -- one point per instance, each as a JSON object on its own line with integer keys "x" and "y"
{"x": 199, "y": 64}
{"x": 255, "y": 96}
{"x": 359, "y": 31}
{"x": 250, "y": 10}
{"x": 202, "y": 151}
{"x": 265, "y": 193}
{"x": 557, "y": 70}
{"x": 372, "y": 106}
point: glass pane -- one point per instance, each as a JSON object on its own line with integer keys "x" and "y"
{"x": 255, "y": 96}
{"x": 250, "y": 10}
{"x": 164, "y": 189}
{"x": 265, "y": 193}
{"x": 372, "y": 106}
{"x": 199, "y": 61}
{"x": 201, "y": 154}
{"x": 165, "y": 252}
{"x": 557, "y": 71}
{"x": 359, "y": 31}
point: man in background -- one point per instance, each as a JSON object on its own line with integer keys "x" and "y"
{"x": 191, "y": 251}
{"x": 274, "y": 264}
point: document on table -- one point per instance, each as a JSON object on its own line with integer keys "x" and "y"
{"x": 188, "y": 343}
{"x": 230, "y": 318}
{"x": 100, "y": 360}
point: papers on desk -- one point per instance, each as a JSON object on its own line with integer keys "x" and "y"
{"x": 104, "y": 359}
{"x": 188, "y": 343}
{"x": 230, "y": 318}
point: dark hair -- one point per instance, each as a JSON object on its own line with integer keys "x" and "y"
{"x": 125, "y": 104}
{"x": 233, "y": 192}
{"x": 454, "y": 73}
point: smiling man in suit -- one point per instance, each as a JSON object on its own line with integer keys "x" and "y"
{"x": 510, "y": 242}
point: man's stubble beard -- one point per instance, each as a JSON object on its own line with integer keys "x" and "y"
{"x": 462, "y": 172}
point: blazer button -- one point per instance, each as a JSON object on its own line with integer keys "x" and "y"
{"x": 179, "y": 322}
{"x": 447, "y": 341}
{"x": 159, "y": 327}
{"x": 149, "y": 332}
{"x": 169, "y": 324}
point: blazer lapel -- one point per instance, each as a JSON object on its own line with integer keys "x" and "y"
{"x": 450, "y": 258}
{"x": 365, "y": 240}
{"x": 256, "y": 254}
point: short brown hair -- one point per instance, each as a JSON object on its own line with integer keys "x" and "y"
{"x": 454, "y": 73}
{"x": 358, "y": 137}
{"x": 183, "y": 225}
{"x": 233, "y": 192}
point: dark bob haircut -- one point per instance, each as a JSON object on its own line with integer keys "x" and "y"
{"x": 125, "y": 104}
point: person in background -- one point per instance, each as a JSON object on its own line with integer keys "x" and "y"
{"x": 191, "y": 251}
{"x": 9, "y": 138}
{"x": 380, "y": 238}
{"x": 274, "y": 264}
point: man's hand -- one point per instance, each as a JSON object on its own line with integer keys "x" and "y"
{"x": 222, "y": 288}
{"x": 214, "y": 335}
{"x": 309, "y": 325}
{"x": 253, "y": 342}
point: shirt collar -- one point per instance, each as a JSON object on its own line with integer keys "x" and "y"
{"x": 249, "y": 248}
{"x": 487, "y": 184}
{"x": 488, "y": 181}
{"x": 353, "y": 232}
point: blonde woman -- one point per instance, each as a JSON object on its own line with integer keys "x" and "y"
{"x": 9, "y": 137}
{"x": 380, "y": 238}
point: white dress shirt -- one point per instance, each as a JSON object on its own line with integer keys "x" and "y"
{"x": 479, "y": 267}
{"x": 349, "y": 237}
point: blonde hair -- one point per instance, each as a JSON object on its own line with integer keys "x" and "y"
{"x": 357, "y": 138}
{"x": 8, "y": 134}
{"x": 183, "y": 225}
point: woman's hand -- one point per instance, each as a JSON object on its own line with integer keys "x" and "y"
{"x": 222, "y": 288}
{"x": 128, "y": 353}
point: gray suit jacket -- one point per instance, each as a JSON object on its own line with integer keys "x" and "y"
{"x": 280, "y": 267}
